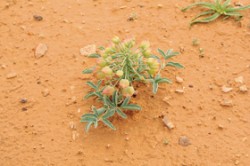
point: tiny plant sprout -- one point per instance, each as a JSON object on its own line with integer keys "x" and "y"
{"x": 215, "y": 10}
{"x": 117, "y": 68}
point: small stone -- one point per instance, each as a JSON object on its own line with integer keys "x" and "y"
{"x": 236, "y": 162}
{"x": 41, "y": 50}
{"x": 45, "y": 92}
{"x": 123, "y": 7}
{"x": 108, "y": 146}
{"x": 159, "y": 6}
{"x": 243, "y": 88}
{"x": 23, "y": 100}
{"x": 169, "y": 124}
{"x": 179, "y": 79}
{"x": 166, "y": 99}
{"x": 72, "y": 125}
{"x": 11, "y": 75}
{"x": 184, "y": 141}
{"x": 87, "y": 50}
{"x": 38, "y": 18}
{"x": 180, "y": 91}
{"x": 127, "y": 138}
{"x": 24, "y": 109}
{"x": 220, "y": 126}
{"x": 226, "y": 103}
{"x": 239, "y": 79}
{"x": 3, "y": 66}
{"x": 75, "y": 135}
{"x": 226, "y": 89}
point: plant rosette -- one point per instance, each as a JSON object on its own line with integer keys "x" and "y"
{"x": 118, "y": 68}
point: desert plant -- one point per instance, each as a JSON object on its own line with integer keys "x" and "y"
{"x": 215, "y": 10}
{"x": 117, "y": 69}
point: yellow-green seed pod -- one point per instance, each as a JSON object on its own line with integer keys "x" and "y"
{"x": 119, "y": 73}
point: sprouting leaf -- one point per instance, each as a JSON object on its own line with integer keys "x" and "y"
{"x": 92, "y": 85}
{"x": 170, "y": 53}
{"x": 108, "y": 114}
{"x": 120, "y": 113}
{"x": 100, "y": 111}
{"x": 115, "y": 97}
{"x": 163, "y": 80}
{"x": 174, "y": 64}
{"x": 125, "y": 102}
{"x": 89, "y": 95}
{"x": 101, "y": 48}
{"x": 88, "y": 125}
{"x": 155, "y": 87}
{"x": 88, "y": 71}
{"x": 155, "y": 57}
{"x": 161, "y": 52}
{"x": 108, "y": 123}
{"x": 131, "y": 107}
{"x": 95, "y": 55}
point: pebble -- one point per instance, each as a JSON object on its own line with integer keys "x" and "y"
{"x": 23, "y": 100}
{"x": 168, "y": 123}
{"x": 226, "y": 103}
{"x": 159, "y": 6}
{"x": 184, "y": 141}
{"x": 179, "y": 79}
{"x": 41, "y": 50}
{"x": 180, "y": 91}
{"x": 243, "y": 88}
{"x": 239, "y": 79}
{"x": 24, "y": 109}
{"x": 11, "y": 75}
{"x": 166, "y": 99}
{"x": 226, "y": 89}
{"x": 220, "y": 126}
{"x": 38, "y": 18}
{"x": 75, "y": 135}
{"x": 87, "y": 50}
{"x": 108, "y": 146}
{"x": 72, "y": 101}
{"x": 72, "y": 125}
{"x": 45, "y": 92}
{"x": 123, "y": 7}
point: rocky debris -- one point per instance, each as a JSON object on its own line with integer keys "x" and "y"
{"x": 123, "y": 7}
{"x": 11, "y": 75}
{"x": 180, "y": 91}
{"x": 72, "y": 125}
{"x": 71, "y": 101}
{"x": 226, "y": 89}
{"x": 243, "y": 88}
{"x": 159, "y": 6}
{"x": 3, "y": 66}
{"x": 239, "y": 79}
{"x": 108, "y": 146}
{"x": 75, "y": 135}
{"x": 166, "y": 99}
{"x": 226, "y": 103}
{"x": 38, "y": 18}
{"x": 24, "y": 109}
{"x": 41, "y": 50}
{"x": 179, "y": 79}
{"x": 45, "y": 92}
{"x": 184, "y": 141}
{"x": 220, "y": 126}
{"x": 168, "y": 123}
{"x": 23, "y": 100}
{"x": 87, "y": 50}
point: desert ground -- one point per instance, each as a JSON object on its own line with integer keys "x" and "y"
{"x": 41, "y": 98}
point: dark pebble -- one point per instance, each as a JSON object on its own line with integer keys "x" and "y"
{"x": 38, "y": 18}
{"x": 23, "y": 100}
{"x": 24, "y": 109}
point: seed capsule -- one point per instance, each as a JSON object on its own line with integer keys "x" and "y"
{"x": 108, "y": 90}
{"x": 124, "y": 83}
{"x": 119, "y": 73}
{"x": 128, "y": 92}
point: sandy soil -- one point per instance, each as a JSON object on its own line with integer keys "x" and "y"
{"x": 46, "y": 129}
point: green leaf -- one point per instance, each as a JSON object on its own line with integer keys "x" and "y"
{"x": 207, "y": 19}
{"x": 120, "y": 113}
{"x": 155, "y": 87}
{"x": 174, "y": 64}
{"x": 170, "y": 53}
{"x": 107, "y": 101}
{"x": 100, "y": 111}
{"x": 92, "y": 85}
{"x": 101, "y": 48}
{"x": 88, "y": 119}
{"x": 88, "y": 71}
{"x": 88, "y": 125}
{"x": 89, "y": 95}
{"x": 154, "y": 56}
{"x": 131, "y": 107}
{"x": 161, "y": 52}
{"x": 109, "y": 113}
{"x": 125, "y": 101}
{"x": 95, "y": 55}
{"x": 204, "y": 4}
{"x": 108, "y": 123}
{"x": 115, "y": 98}
{"x": 163, "y": 80}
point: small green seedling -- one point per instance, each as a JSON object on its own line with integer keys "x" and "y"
{"x": 117, "y": 69}
{"x": 215, "y": 10}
